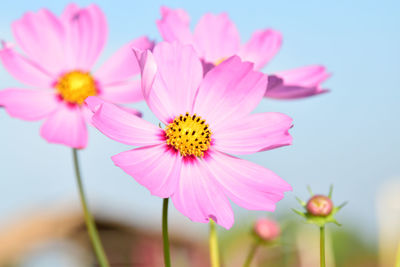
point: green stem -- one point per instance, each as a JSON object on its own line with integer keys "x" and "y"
{"x": 398, "y": 256}
{"x": 252, "y": 252}
{"x": 91, "y": 226}
{"x": 322, "y": 245}
{"x": 167, "y": 258}
{"x": 213, "y": 243}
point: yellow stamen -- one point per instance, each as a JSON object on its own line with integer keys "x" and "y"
{"x": 189, "y": 134}
{"x": 75, "y": 86}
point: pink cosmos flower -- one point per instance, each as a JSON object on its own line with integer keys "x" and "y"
{"x": 59, "y": 55}
{"x": 216, "y": 38}
{"x": 206, "y": 120}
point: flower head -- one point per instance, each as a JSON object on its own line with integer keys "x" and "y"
{"x": 319, "y": 209}
{"x": 266, "y": 229}
{"x": 319, "y": 205}
{"x": 206, "y": 119}
{"x": 216, "y": 38}
{"x": 59, "y": 55}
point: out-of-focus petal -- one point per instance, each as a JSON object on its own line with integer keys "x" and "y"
{"x": 174, "y": 26}
{"x": 170, "y": 79}
{"x": 93, "y": 103}
{"x": 308, "y": 76}
{"x": 124, "y": 92}
{"x": 199, "y": 197}
{"x": 69, "y": 11}
{"x": 230, "y": 91}
{"x": 261, "y": 48}
{"x": 293, "y": 92}
{"x": 42, "y": 37}
{"x": 122, "y": 126}
{"x": 66, "y": 126}
{"x": 216, "y": 38}
{"x": 245, "y": 183}
{"x": 86, "y": 31}
{"x": 24, "y": 69}
{"x": 297, "y": 83}
{"x": 155, "y": 167}
{"x": 28, "y": 104}
{"x": 254, "y": 133}
{"x": 122, "y": 65}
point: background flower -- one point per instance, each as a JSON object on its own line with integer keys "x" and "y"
{"x": 216, "y": 38}
{"x": 59, "y": 55}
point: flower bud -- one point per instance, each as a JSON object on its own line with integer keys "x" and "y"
{"x": 319, "y": 205}
{"x": 266, "y": 229}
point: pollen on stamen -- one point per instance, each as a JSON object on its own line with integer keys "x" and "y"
{"x": 189, "y": 134}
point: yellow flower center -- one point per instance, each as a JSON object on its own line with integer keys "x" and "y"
{"x": 75, "y": 86}
{"x": 219, "y": 61}
{"x": 189, "y": 134}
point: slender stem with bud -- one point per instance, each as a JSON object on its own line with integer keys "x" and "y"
{"x": 213, "y": 244}
{"x": 322, "y": 245}
{"x": 252, "y": 252}
{"x": 90, "y": 224}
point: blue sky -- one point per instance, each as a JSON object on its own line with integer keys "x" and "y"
{"x": 349, "y": 137}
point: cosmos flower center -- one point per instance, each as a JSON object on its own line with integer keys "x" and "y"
{"x": 189, "y": 134}
{"x": 75, "y": 86}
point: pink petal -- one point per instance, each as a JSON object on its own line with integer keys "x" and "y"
{"x": 216, "y": 38}
{"x": 308, "y": 76}
{"x": 293, "y": 92}
{"x": 69, "y": 11}
{"x": 254, "y": 133}
{"x": 261, "y": 48}
{"x": 93, "y": 103}
{"x": 28, "y": 104}
{"x": 66, "y": 126}
{"x": 122, "y": 65}
{"x": 86, "y": 36}
{"x": 229, "y": 91}
{"x": 200, "y": 198}
{"x": 297, "y": 83}
{"x": 155, "y": 167}
{"x": 41, "y": 36}
{"x": 174, "y": 26}
{"x": 170, "y": 79}
{"x": 245, "y": 183}
{"x": 124, "y": 127}
{"x": 24, "y": 69}
{"x": 123, "y": 92}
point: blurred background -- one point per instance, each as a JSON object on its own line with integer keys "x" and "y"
{"x": 348, "y": 137}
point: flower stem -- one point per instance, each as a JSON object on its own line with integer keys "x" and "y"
{"x": 252, "y": 252}
{"x": 398, "y": 256}
{"x": 322, "y": 245}
{"x": 167, "y": 258}
{"x": 91, "y": 226}
{"x": 213, "y": 243}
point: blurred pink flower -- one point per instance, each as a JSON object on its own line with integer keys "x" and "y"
{"x": 267, "y": 229}
{"x": 216, "y": 38}
{"x": 206, "y": 119}
{"x": 59, "y": 55}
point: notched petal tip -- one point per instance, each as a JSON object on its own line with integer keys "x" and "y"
{"x": 93, "y": 103}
